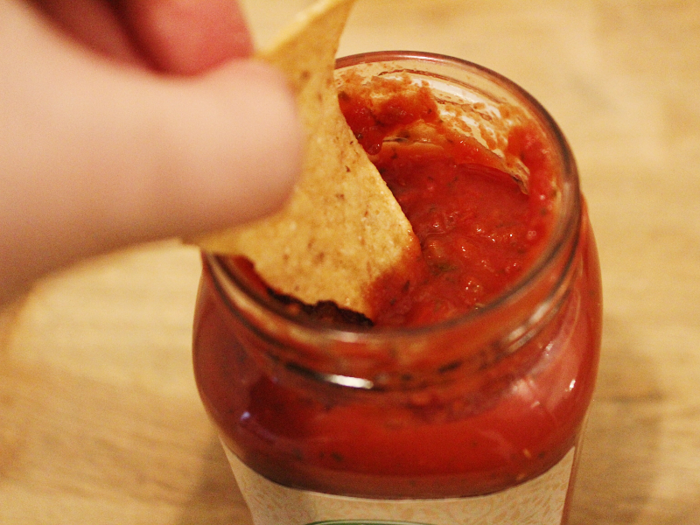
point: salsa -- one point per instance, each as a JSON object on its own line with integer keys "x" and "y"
{"x": 478, "y": 226}
{"x": 481, "y": 229}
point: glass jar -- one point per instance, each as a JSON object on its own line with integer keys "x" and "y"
{"x": 478, "y": 417}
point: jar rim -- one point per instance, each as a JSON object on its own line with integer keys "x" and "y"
{"x": 563, "y": 238}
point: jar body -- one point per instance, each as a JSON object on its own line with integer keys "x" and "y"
{"x": 487, "y": 403}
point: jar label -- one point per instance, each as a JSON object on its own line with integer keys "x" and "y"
{"x": 539, "y": 501}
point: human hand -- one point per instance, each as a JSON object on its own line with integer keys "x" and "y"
{"x": 128, "y": 121}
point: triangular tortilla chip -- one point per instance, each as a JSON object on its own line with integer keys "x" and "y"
{"x": 342, "y": 228}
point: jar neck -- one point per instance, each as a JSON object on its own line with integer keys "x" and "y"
{"x": 405, "y": 358}
{"x": 397, "y": 359}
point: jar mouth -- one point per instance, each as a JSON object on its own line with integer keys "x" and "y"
{"x": 558, "y": 253}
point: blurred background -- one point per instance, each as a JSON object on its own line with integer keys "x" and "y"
{"x": 100, "y": 421}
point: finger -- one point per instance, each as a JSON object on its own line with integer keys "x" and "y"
{"x": 187, "y": 37}
{"x": 95, "y": 24}
{"x": 115, "y": 156}
{"x": 175, "y": 36}
{"x": 205, "y": 153}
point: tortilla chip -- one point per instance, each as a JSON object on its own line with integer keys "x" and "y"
{"x": 342, "y": 228}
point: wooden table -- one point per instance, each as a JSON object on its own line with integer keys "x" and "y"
{"x": 99, "y": 416}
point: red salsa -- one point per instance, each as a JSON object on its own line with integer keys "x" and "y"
{"x": 481, "y": 229}
{"x": 478, "y": 226}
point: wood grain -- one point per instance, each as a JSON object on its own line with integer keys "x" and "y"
{"x": 99, "y": 416}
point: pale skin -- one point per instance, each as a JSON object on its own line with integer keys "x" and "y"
{"x": 125, "y": 121}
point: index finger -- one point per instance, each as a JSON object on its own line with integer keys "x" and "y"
{"x": 187, "y": 37}
{"x": 169, "y": 35}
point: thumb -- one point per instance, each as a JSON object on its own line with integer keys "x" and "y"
{"x": 204, "y": 153}
{"x": 96, "y": 155}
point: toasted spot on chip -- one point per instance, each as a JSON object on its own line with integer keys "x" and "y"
{"x": 342, "y": 228}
